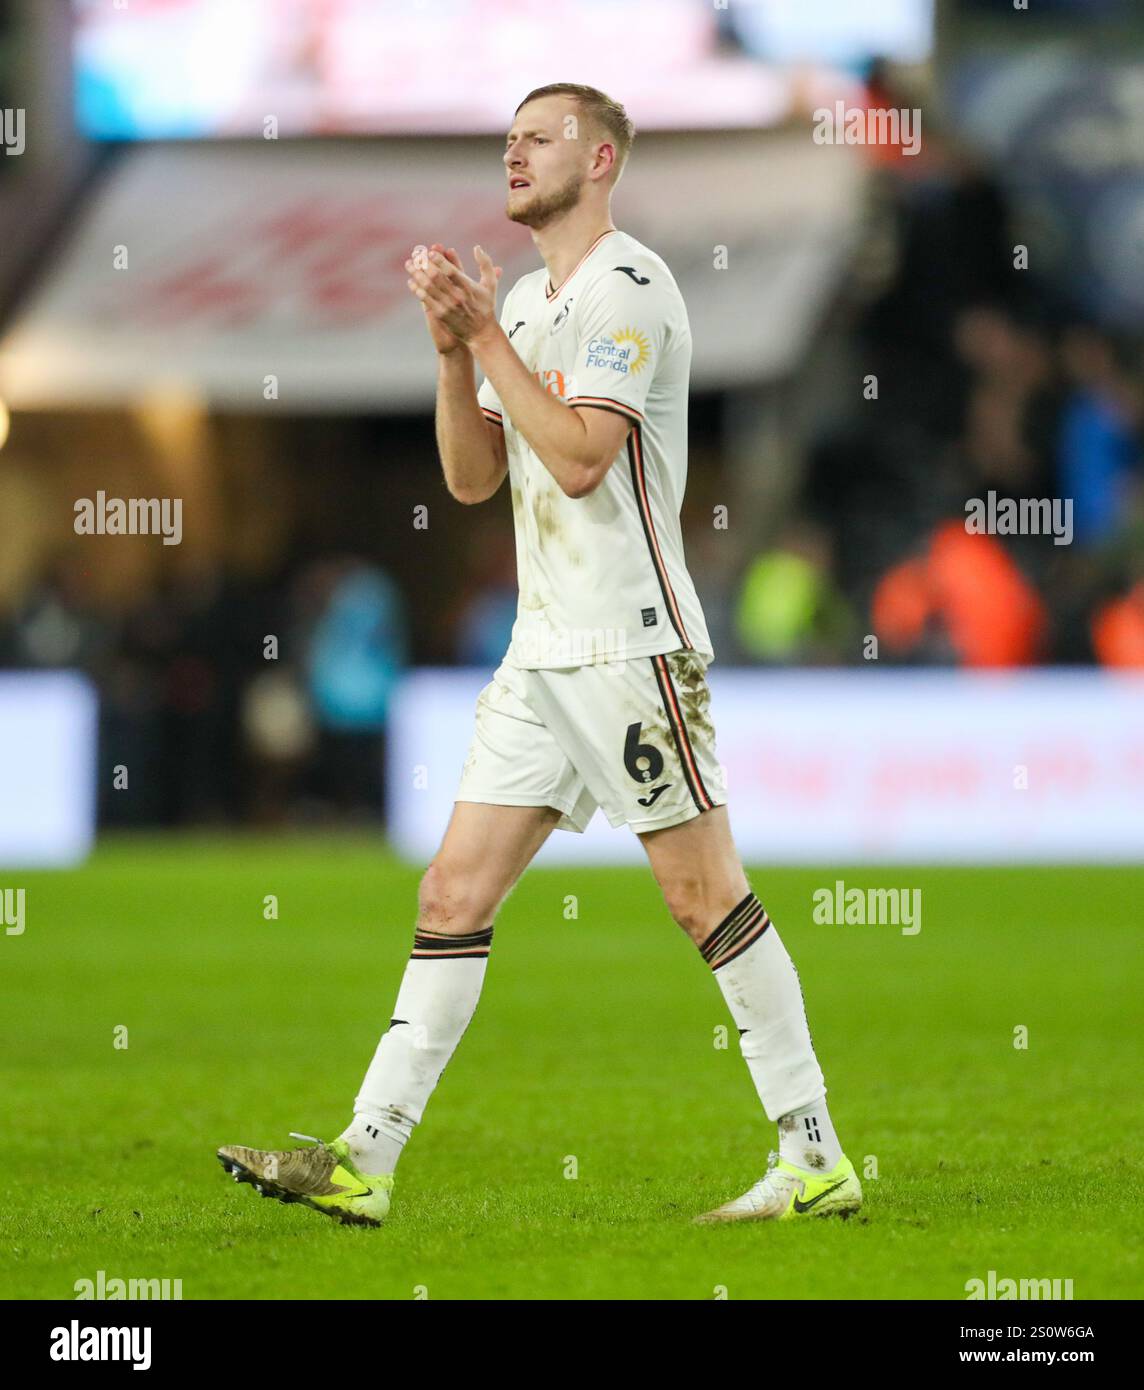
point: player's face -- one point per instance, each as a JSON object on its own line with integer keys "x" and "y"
{"x": 546, "y": 169}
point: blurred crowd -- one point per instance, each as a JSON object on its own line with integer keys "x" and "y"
{"x": 992, "y": 388}
{"x": 1001, "y": 409}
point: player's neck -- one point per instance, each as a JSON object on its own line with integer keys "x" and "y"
{"x": 563, "y": 243}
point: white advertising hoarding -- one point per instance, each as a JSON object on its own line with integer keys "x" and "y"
{"x": 48, "y": 743}
{"x": 863, "y": 766}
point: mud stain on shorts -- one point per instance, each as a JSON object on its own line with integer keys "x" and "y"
{"x": 690, "y": 681}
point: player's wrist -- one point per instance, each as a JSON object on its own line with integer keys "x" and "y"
{"x": 458, "y": 359}
{"x": 484, "y": 337}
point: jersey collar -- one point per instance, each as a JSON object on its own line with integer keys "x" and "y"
{"x": 549, "y": 293}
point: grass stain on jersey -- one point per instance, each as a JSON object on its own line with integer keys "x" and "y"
{"x": 544, "y": 510}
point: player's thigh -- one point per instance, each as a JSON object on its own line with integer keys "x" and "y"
{"x": 697, "y": 866}
{"x": 514, "y": 758}
{"x": 484, "y": 851}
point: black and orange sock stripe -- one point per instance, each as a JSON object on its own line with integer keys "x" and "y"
{"x": 740, "y": 929}
{"x": 687, "y": 759}
{"x": 431, "y": 945}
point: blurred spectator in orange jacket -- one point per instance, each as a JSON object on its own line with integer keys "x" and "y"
{"x": 1118, "y": 630}
{"x": 964, "y": 601}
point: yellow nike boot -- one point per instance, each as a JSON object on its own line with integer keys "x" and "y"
{"x": 323, "y": 1178}
{"x": 785, "y": 1192}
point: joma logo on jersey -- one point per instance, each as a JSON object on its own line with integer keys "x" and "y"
{"x": 622, "y": 352}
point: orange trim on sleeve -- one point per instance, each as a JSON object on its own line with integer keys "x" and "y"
{"x": 607, "y": 403}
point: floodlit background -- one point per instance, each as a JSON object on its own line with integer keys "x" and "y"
{"x": 202, "y": 233}
{"x": 244, "y": 746}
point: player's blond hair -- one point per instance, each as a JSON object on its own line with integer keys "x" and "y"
{"x": 600, "y": 111}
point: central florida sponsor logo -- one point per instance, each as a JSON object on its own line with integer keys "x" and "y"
{"x": 624, "y": 352}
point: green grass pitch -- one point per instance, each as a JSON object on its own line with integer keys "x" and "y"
{"x": 595, "y": 1041}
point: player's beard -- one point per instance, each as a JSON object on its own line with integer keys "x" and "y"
{"x": 540, "y": 211}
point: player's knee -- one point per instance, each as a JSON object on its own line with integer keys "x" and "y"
{"x": 446, "y": 901}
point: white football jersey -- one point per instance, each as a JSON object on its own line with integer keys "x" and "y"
{"x": 602, "y": 577}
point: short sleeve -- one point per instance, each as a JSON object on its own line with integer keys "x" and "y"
{"x": 489, "y": 402}
{"x": 487, "y": 398}
{"x": 622, "y": 329}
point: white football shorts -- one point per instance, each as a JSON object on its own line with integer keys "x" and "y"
{"x": 633, "y": 737}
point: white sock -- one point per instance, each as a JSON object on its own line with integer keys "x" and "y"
{"x": 807, "y": 1138}
{"x": 436, "y": 1001}
{"x": 762, "y": 990}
